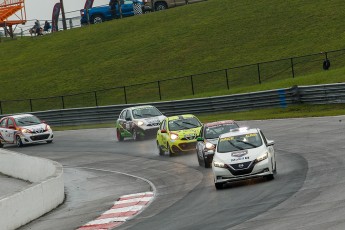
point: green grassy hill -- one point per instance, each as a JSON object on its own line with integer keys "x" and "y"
{"x": 210, "y": 35}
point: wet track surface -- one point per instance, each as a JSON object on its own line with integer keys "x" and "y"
{"x": 307, "y": 193}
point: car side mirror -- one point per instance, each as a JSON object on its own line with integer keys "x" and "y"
{"x": 163, "y": 131}
{"x": 200, "y": 139}
{"x": 270, "y": 142}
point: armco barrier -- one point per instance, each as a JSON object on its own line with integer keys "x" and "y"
{"x": 317, "y": 94}
{"x": 44, "y": 194}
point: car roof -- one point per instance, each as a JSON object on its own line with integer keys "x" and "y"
{"x": 216, "y": 123}
{"x": 140, "y": 107}
{"x": 179, "y": 117}
{"x": 20, "y": 115}
{"x": 239, "y": 131}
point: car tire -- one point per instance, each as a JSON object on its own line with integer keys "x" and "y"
{"x": 199, "y": 160}
{"x": 118, "y": 135}
{"x": 19, "y": 142}
{"x": 275, "y": 168}
{"x": 219, "y": 185}
{"x": 207, "y": 164}
{"x": 96, "y": 19}
{"x": 135, "y": 135}
{"x": 270, "y": 177}
{"x": 1, "y": 145}
{"x": 161, "y": 6}
{"x": 50, "y": 141}
{"x": 160, "y": 150}
{"x": 170, "y": 153}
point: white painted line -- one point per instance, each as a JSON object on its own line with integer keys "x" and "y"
{"x": 132, "y": 200}
{"x": 126, "y": 209}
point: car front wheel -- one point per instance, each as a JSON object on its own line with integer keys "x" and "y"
{"x": 97, "y": 19}
{"x": 219, "y": 185}
{"x": 160, "y": 150}
{"x": 19, "y": 142}
{"x": 118, "y": 135}
{"x": 1, "y": 145}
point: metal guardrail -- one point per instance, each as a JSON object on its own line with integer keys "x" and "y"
{"x": 318, "y": 94}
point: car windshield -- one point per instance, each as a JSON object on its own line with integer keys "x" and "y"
{"x": 240, "y": 142}
{"x": 186, "y": 123}
{"x": 214, "y": 131}
{"x": 146, "y": 112}
{"x": 27, "y": 120}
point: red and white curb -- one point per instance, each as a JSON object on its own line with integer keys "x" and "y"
{"x": 124, "y": 208}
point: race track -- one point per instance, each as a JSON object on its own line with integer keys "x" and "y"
{"x": 307, "y": 193}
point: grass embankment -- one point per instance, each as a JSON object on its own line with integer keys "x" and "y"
{"x": 182, "y": 41}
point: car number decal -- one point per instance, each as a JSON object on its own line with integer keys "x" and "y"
{"x": 239, "y": 158}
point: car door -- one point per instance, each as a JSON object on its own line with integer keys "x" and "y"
{"x": 200, "y": 144}
{"x": 180, "y": 2}
{"x": 121, "y": 120}
{"x": 11, "y": 130}
{"x": 127, "y": 8}
{"x": 161, "y": 136}
{"x": 3, "y": 129}
{"x": 128, "y": 121}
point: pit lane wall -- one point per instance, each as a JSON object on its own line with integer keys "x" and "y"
{"x": 44, "y": 194}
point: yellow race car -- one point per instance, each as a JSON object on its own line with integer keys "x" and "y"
{"x": 178, "y": 134}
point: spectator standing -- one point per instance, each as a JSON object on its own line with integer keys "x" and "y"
{"x": 46, "y": 27}
{"x": 37, "y": 26}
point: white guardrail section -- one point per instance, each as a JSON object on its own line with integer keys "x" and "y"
{"x": 44, "y": 194}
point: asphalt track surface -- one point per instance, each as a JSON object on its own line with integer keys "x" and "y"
{"x": 307, "y": 193}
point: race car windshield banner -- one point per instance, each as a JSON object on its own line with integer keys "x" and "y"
{"x": 55, "y": 17}
{"x": 88, "y": 4}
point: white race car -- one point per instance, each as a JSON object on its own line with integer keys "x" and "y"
{"x": 138, "y": 122}
{"x": 242, "y": 154}
{"x": 24, "y": 129}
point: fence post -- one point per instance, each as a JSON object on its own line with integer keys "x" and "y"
{"x": 30, "y": 104}
{"x": 159, "y": 90}
{"x": 96, "y": 98}
{"x": 124, "y": 91}
{"x": 63, "y": 102}
{"x": 292, "y": 69}
{"x": 0, "y": 108}
{"x": 191, "y": 80}
{"x": 259, "y": 73}
{"x": 227, "y": 78}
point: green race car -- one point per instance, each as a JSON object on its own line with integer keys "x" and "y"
{"x": 178, "y": 134}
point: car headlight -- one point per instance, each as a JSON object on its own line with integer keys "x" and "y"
{"x": 140, "y": 123}
{"x": 219, "y": 164}
{"x": 25, "y": 131}
{"x": 262, "y": 157}
{"x": 209, "y": 145}
{"x": 173, "y": 136}
{"x": 48, "y": 127}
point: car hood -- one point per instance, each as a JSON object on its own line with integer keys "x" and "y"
{"x": 188, "y": 133}
{"x": 213, "y": 141}
{"x": 152, "y": 120}
{"x": 40, "y": 128}
{"x": 241, "y": 155}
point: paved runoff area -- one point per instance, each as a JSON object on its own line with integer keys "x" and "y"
{"x": 124, "y": 208}
{"x": 10, "y": 185}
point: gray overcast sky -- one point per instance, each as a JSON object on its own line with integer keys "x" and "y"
{"x": 43, "y": 9}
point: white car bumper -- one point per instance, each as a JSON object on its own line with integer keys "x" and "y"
{"x": 30, "y": 138}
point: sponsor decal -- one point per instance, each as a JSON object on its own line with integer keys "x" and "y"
{"x": 239, "y": 153}
{"x": 239, "y": 159}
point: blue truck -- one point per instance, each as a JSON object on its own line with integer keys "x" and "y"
{"x": 100, "y": 14}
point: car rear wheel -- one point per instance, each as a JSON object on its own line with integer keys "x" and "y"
{"x": 118, "y": 135}
{"x": 19, "y": 142}
{"x": 161, "y": 6}
{"x": 160, "y": 151}
{"x": 219, "y": 185}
